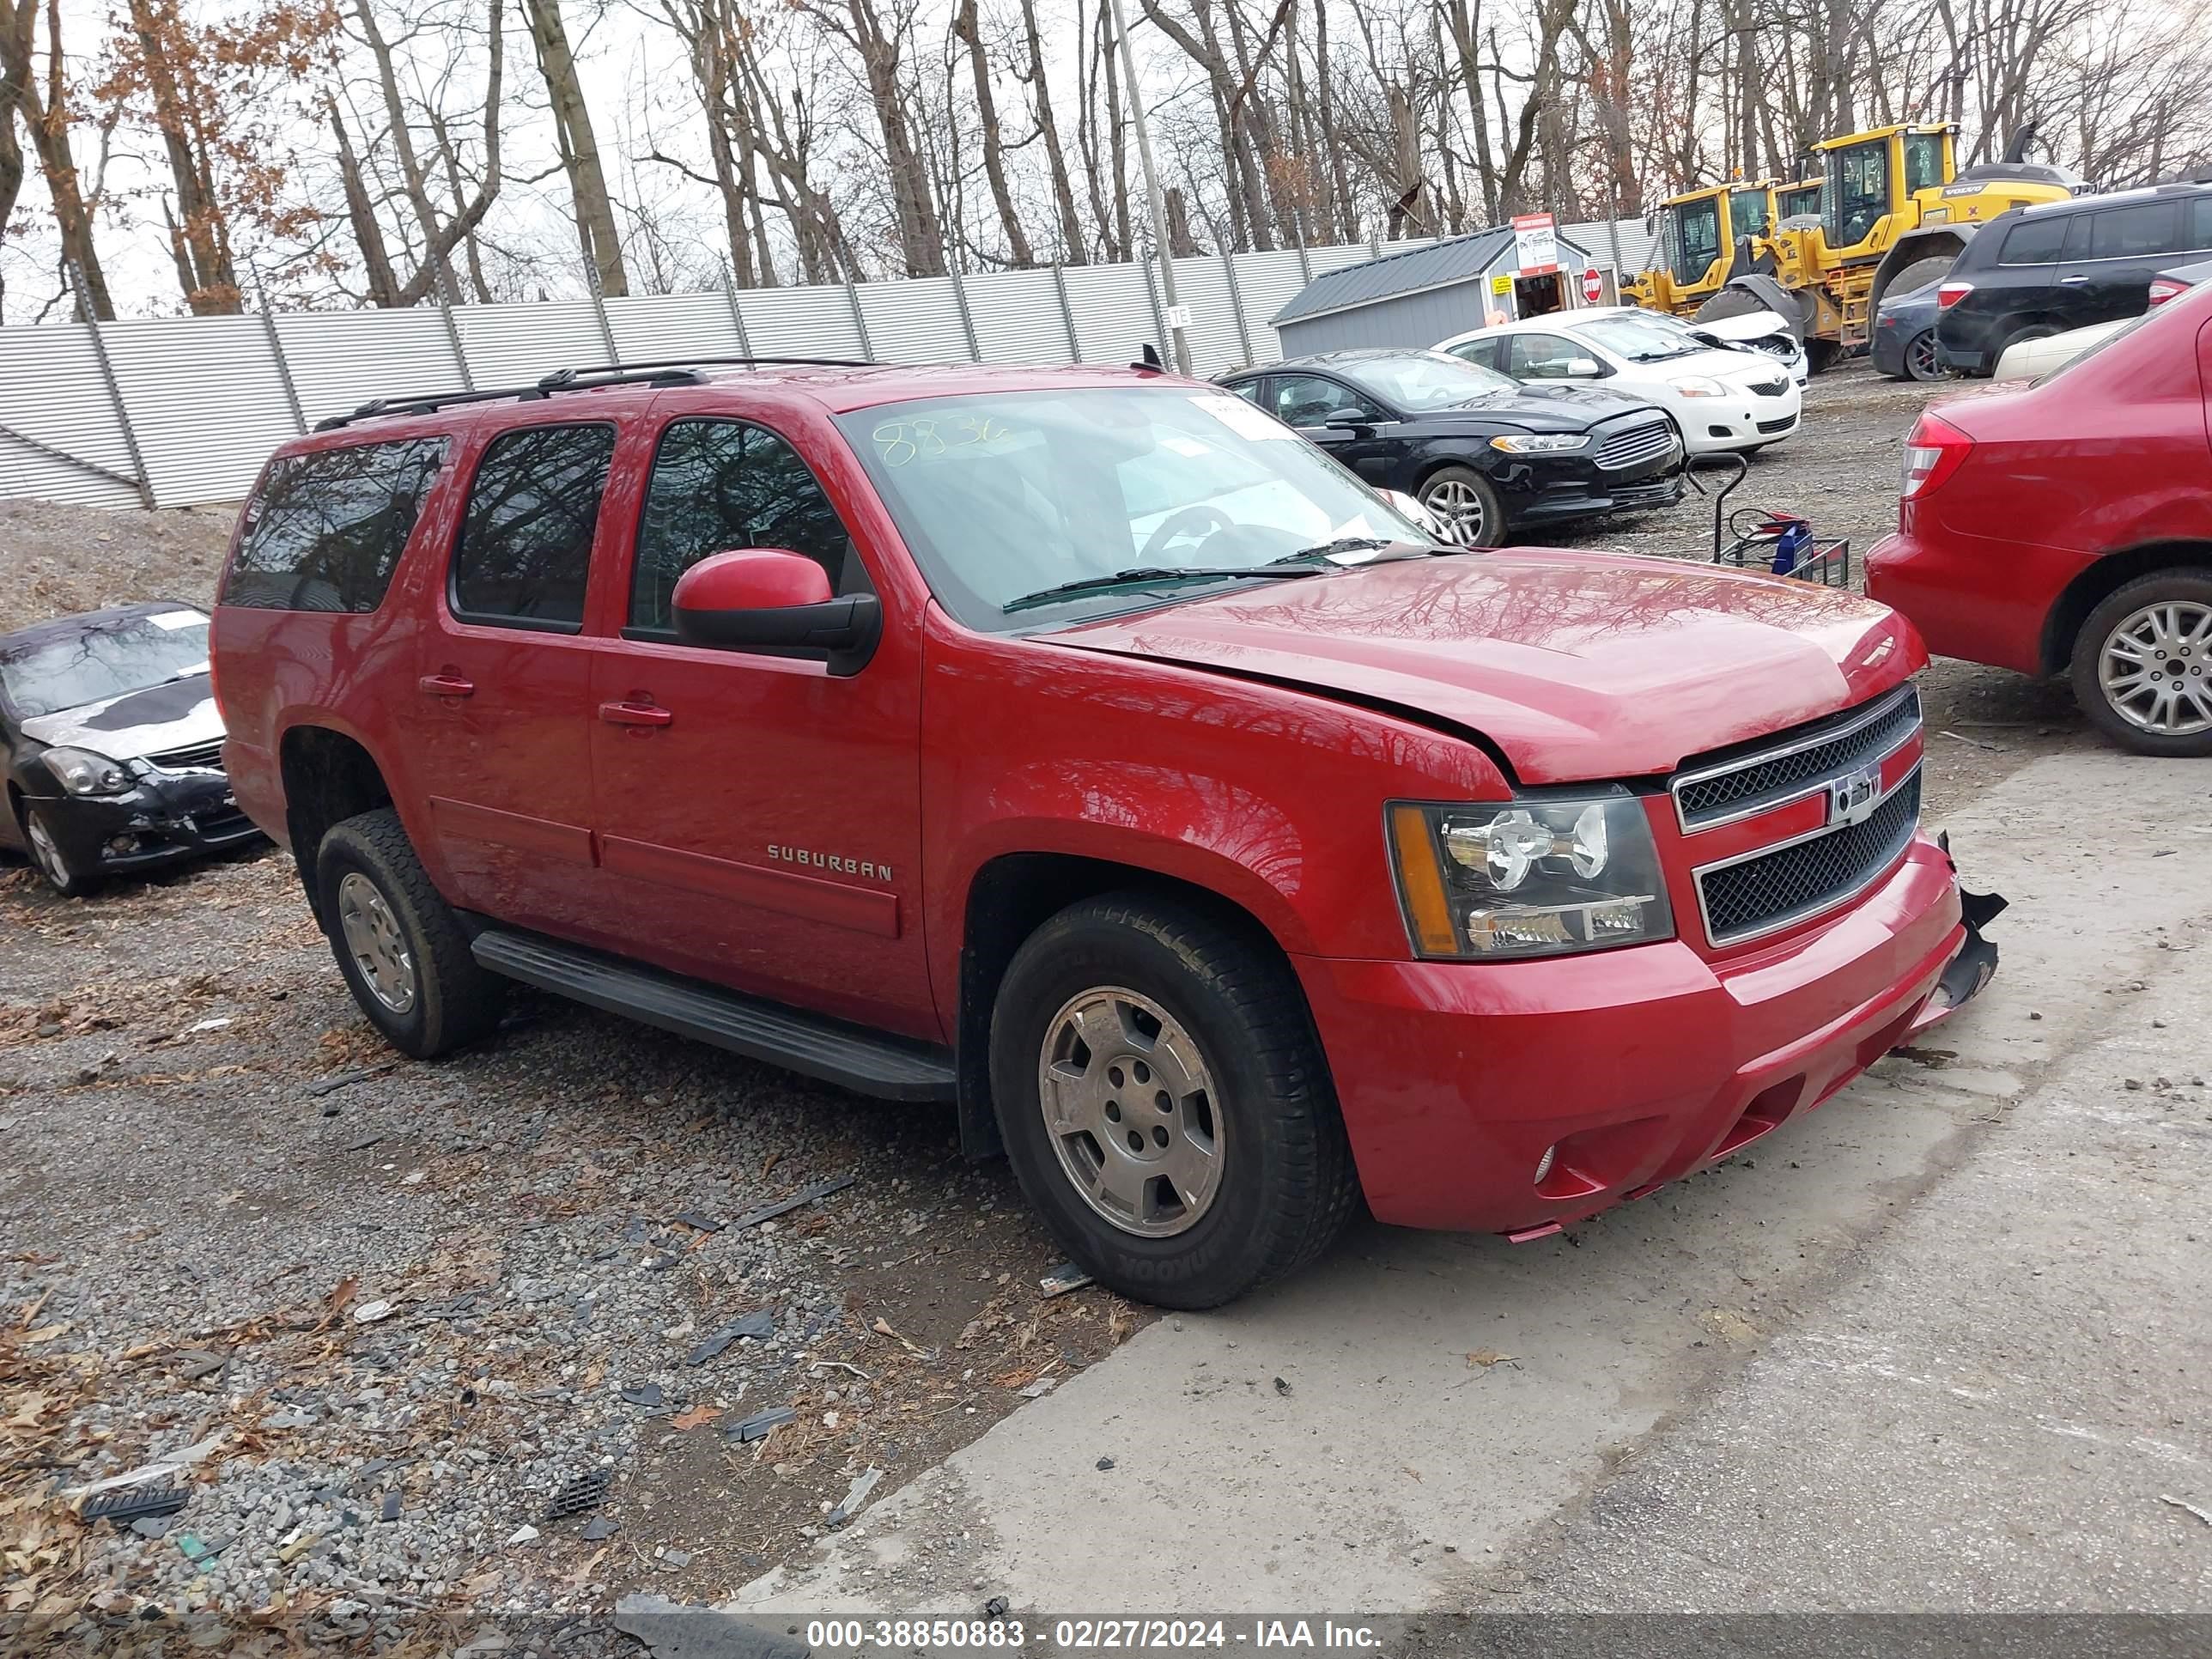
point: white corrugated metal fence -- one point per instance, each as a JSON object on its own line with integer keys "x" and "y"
{"x": 175, "y": 411}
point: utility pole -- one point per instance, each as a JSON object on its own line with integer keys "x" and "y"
{"x": 1151, "y": 190}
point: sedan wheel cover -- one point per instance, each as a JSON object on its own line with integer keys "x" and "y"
{"x": 373, "y": 938}
{"x": 1130, "y": 1108}
{"x": 1459, "y": 507}
{"x": 2155, "y": 669}
{"x": 49, "y": 856}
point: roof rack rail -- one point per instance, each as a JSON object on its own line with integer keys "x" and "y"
{"x": 734, "y": 362}
{"x": 567, "y": 380}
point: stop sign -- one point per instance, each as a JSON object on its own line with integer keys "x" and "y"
{"x": 1593, "y": 285}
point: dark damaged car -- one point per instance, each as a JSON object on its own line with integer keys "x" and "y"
{"x": 114, "y": 745}
{"x": 1490, "y": 459}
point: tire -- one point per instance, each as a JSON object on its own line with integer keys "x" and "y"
{"x": 1920, "y": 360}
{"x": 1164, "y": 982}
{"x": 1477, "y": 520}
{"x": 431, "y": 996}
{"x": 2138, "y": 611}
{"x": 51, "y": 862}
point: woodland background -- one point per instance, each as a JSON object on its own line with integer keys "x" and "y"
{"x": 194, "y": 156}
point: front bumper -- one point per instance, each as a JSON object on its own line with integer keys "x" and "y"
{"x": 1716, "y": 426}
{"x": 161, "y": 821}
{"x": 1637, "y": 1066}
{"x": 1554, "y": 488}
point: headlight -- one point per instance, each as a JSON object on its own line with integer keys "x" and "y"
{"x": 1529, "y": 877}
{"x": 83, "y": 773}
{"x": 1538, "y": 443}
{"x": 1697, "y": 386}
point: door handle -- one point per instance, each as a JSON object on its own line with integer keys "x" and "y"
{"x": 2072, "y": 282}
{"x": 445, "y": 685}
{"x": 635, "y": 713}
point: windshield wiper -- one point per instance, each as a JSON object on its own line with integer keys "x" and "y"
{"x": 1144, "y": 576}
{"x": 1327, "y": 551}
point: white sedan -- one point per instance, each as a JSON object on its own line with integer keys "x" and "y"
{"x": 1724, "y": 402}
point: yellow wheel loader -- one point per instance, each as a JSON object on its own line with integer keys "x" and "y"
{"x": 1894, "y": 212}
{"x": 1699, "y": 234}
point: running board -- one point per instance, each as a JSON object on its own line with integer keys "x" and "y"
{"x": 851, "y": 1056}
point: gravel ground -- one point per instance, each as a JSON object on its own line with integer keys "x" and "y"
{"x": 391, "y": 1310}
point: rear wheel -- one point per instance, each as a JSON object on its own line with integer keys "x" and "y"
{"x": 1465, "y": 505}
{"x": 2142, "y": 665}
{"x": 400, "y": 946}
{"x": 63, "y": 877}
{"x": 1165, "y": 1102}
{"x": 1920, "y": 360}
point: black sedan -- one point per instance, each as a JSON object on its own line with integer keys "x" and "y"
{"x": 111, "y": 744}
{"x": 1491, "y": 457}
{"x": 1904, "y": 336}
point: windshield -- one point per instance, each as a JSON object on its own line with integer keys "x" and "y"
{"x": 54, "y": 673}
{"x": 1639, "y": 339}
{"x": 1426, "y": 379}
{"x": 1000, "y": 496}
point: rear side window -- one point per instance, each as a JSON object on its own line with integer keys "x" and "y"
{"x": 524, "y": 552}
{"x": 2135, "y": 232}
{"x": 326, "y": 529}
{"x": 2200, "y": 223}
{"x": 722, "y": 484}
{"x": 2035, "y": 241}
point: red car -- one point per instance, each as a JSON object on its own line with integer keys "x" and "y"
{"x": 1084, "y": 749}
{"x": 2066, "y": 525}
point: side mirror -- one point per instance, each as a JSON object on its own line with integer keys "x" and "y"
{"x": 1347, "y": 417}
{"x": 768, "y": 599}
{"x": 1582, "y": 369}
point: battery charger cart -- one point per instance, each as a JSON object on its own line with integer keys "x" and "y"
{"x": 1766, "y": 538}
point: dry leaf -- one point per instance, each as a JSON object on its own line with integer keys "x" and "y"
{"x": 1415, "y": 1473}
{"x": 883, "y": 1328}
{"x": 695, "y": 1417}
{"x": 45, "y": 1333}
{"x": 1487, "y": 1357}
{"x": 582, "y": 1574}
{"x": 335, "y": 1303}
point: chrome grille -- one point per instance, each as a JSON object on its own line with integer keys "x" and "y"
{"x": 1636, "y": 445}
{"x": 1767, "y": 891}
{"x": 182, "y": 760}
{"x": 1797, "y": 764}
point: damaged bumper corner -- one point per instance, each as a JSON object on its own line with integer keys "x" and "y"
{"x": 1976, "y": 962}
{"x": 167, "y": 817}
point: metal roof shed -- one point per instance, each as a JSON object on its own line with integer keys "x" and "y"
{"x": 1420, "y": 296}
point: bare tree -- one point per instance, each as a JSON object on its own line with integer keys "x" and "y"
{"x": 578, "y": 147}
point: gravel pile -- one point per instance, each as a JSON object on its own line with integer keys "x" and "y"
{"x": 61, "y": 560}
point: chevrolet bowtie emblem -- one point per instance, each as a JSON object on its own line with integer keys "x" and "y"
{"x": 1851, "y": 798}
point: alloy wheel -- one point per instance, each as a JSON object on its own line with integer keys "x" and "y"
{"x": 1459, "y": 507}
{"x": 2155, "y": 668}
{"x": 1920, "y": 356}
{"x": 1130, "y": 1108}
{"x": 374, "y": 938}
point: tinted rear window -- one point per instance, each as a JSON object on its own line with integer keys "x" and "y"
{"x": 525, "y": 547}
{"x": 2137, "y": 233}
{"x": 2034, "y": 241}
{"x": 326, "y": 530}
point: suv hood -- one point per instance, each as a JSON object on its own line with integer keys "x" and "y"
{"x": 1576, "y": 665}
{"x": 179, "y": 714}
{"x": 1531, "y": 409}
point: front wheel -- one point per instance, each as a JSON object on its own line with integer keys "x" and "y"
{"x": 1165, "y": 1104}
{"x": 2142, "y": 665}
{"x": 1465, "y": 505}
{"x": 62, "y": 875}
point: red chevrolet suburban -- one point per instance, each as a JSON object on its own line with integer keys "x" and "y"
{"x": 1083, "y": 749}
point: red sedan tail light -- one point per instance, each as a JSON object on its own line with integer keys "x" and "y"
{"x": 1951, "y": 293}
{"x": 1933, "y": 452}
{"x": 2163, "y": 289}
